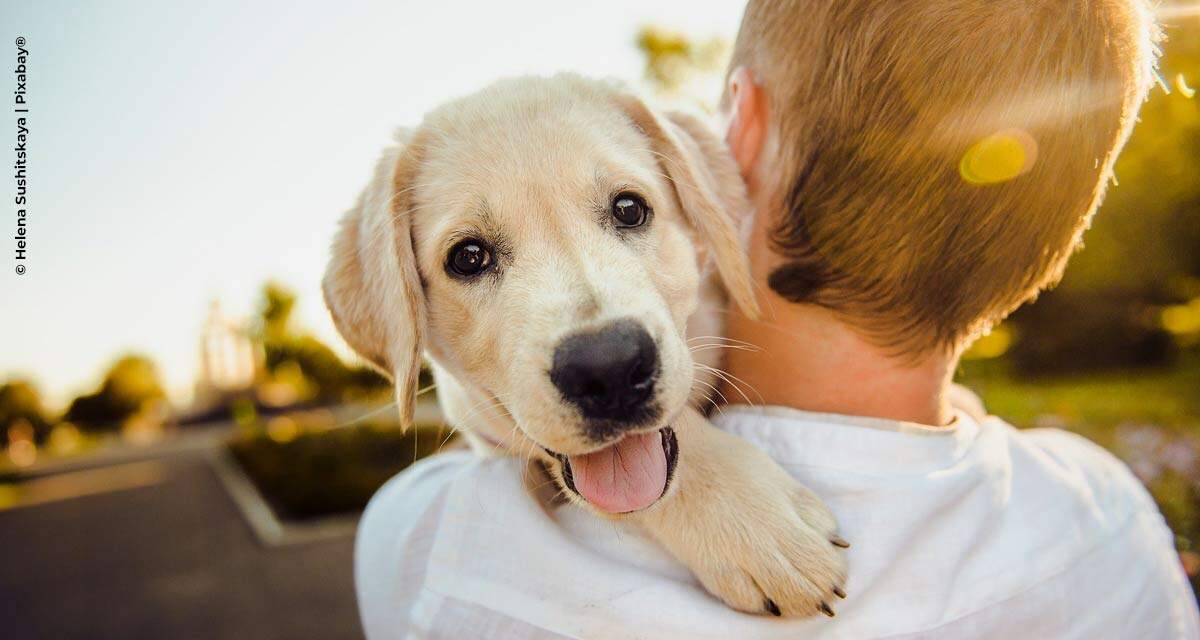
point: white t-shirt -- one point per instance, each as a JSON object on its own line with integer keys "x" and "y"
{"x": 972, "y": 531}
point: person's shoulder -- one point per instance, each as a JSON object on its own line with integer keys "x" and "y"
{"x": 414, "y": 489}
{"x": 1108, "y": 480}
{"x": 402, "y": 522}
{"x": 1057, "y": 471}
{"x": 405, "y": 506}
{"x": 1139, "y": 546}
{"x": 416, "y": 497}
{"x": 409, "y": 494}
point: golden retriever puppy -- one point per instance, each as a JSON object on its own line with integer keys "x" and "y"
{"x": 544, "y": 243}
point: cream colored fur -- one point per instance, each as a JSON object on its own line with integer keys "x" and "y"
{"x": 532, "y": 163}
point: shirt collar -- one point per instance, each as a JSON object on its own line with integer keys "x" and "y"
{"x": 863, "y": 444}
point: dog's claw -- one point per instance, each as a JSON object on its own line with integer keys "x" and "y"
{"x": 839, "y": 542}
{"x": 826, "y": 610}
{"x": 837, "y": 591}
{"x": 772, "y": 608}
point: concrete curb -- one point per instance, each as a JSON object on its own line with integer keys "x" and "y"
{"x": 266, "y": 526}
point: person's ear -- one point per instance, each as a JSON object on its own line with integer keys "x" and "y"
{"x": 748, "y": 113}
{"x": 709, "y": 190}
{"x": 371, "y": 285}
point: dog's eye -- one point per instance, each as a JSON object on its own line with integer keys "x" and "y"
{"x": 469, "y": 258}
{"x": 629, "y": 210}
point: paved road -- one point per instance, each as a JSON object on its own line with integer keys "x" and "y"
{"x": 164, "y": 555}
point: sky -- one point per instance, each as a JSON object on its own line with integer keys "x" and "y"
{"x": 181, "y": 153}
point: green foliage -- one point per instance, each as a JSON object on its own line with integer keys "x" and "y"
{"x": 323, "y": 376}
{"x": 674, "y": 60}
{"x": 130, "y": 386}
{"x": 1142, "y": 253}
{"x": 20, "y": 403}
{"x": 1071, "y": 332}
{"x": 275, "y": 310}
{"x": 1147, "y": 234}
{"x": 331, "y": 379}
{"x": 1092, "y": 404}
{"x": 332, "y": 471}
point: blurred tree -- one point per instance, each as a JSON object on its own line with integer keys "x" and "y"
{"x": 681, "y": 67}
{"x": 130, "y": 386}
{"x": 20, "y": 402}
{"x": 1147, "y": 234}
{"x": 300, "y": 362}
{"x": 275, "y": 315}
{"x": 1143, "y": 250}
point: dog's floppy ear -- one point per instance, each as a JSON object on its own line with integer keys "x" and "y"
{"x": 372, "y": 286}
{"x": 709, "y": 188}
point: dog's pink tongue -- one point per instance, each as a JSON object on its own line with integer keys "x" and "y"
{"x": 627, "y": 476}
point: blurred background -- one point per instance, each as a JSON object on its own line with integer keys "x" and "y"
{"x": 185, "y": 444}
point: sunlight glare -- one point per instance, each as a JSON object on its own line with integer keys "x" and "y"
{"x": 1000, "y": 157}
{"x": 1182, "y": 85}
{"x": 1180, "y": 10}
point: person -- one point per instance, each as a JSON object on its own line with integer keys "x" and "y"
{"x": 918, "y": 170}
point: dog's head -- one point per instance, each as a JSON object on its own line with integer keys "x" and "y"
{"x": 543, "y": 241}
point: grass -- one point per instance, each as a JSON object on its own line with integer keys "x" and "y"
{"x": 1149, "y": 419}
{"x": 1092, "y": 404}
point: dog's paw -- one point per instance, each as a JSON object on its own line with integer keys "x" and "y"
{"x": 751, "y": 534}
{"x": 778, "y": 557}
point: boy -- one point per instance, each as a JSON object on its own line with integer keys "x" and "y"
{"x": 919, "y": 169}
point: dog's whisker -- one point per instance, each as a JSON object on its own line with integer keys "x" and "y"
{"x": 486, "y": 404}
{"x": 477, "y": 409}
{"x": 727, "y": 345}
{"x": 727, "y": 376}
{"x": 527, "y": 458}
{"x": 710, "y": 347}
{"x": 551, "y": 481}
{"x": 715, "y": 391}
{"x": 766, "y": 324}
{"x": 366, "y": 416}
{"x": 734, "y": 381}
{"x": 724, "y": 339}
{"x": 450, "y": 434}
{"x": 736, "y": 388}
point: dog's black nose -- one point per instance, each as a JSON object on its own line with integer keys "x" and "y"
{"x": 609, "y": 374}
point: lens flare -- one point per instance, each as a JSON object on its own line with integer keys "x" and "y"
{"x": 1182, "y": 85}
{"x": 1177, "y": 10}
{"x": 998, "y": 158}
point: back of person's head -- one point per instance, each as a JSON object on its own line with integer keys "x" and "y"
{"x": 938, "y": 160}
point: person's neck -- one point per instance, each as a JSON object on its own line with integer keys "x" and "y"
{"x": 805, "y": 358}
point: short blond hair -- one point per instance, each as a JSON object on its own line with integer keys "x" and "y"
{"x": 878, "y": 108}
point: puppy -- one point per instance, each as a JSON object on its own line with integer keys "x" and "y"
{"x": 544, "y": 243}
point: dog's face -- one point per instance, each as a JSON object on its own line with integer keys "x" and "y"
{"x": 558, "y": 271}
{"x": 542, "y": 240}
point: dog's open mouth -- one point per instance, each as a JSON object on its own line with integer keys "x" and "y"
{"x": 628, "y": 475}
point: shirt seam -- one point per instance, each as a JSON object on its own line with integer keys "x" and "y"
{"x": 864, "y": 422}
